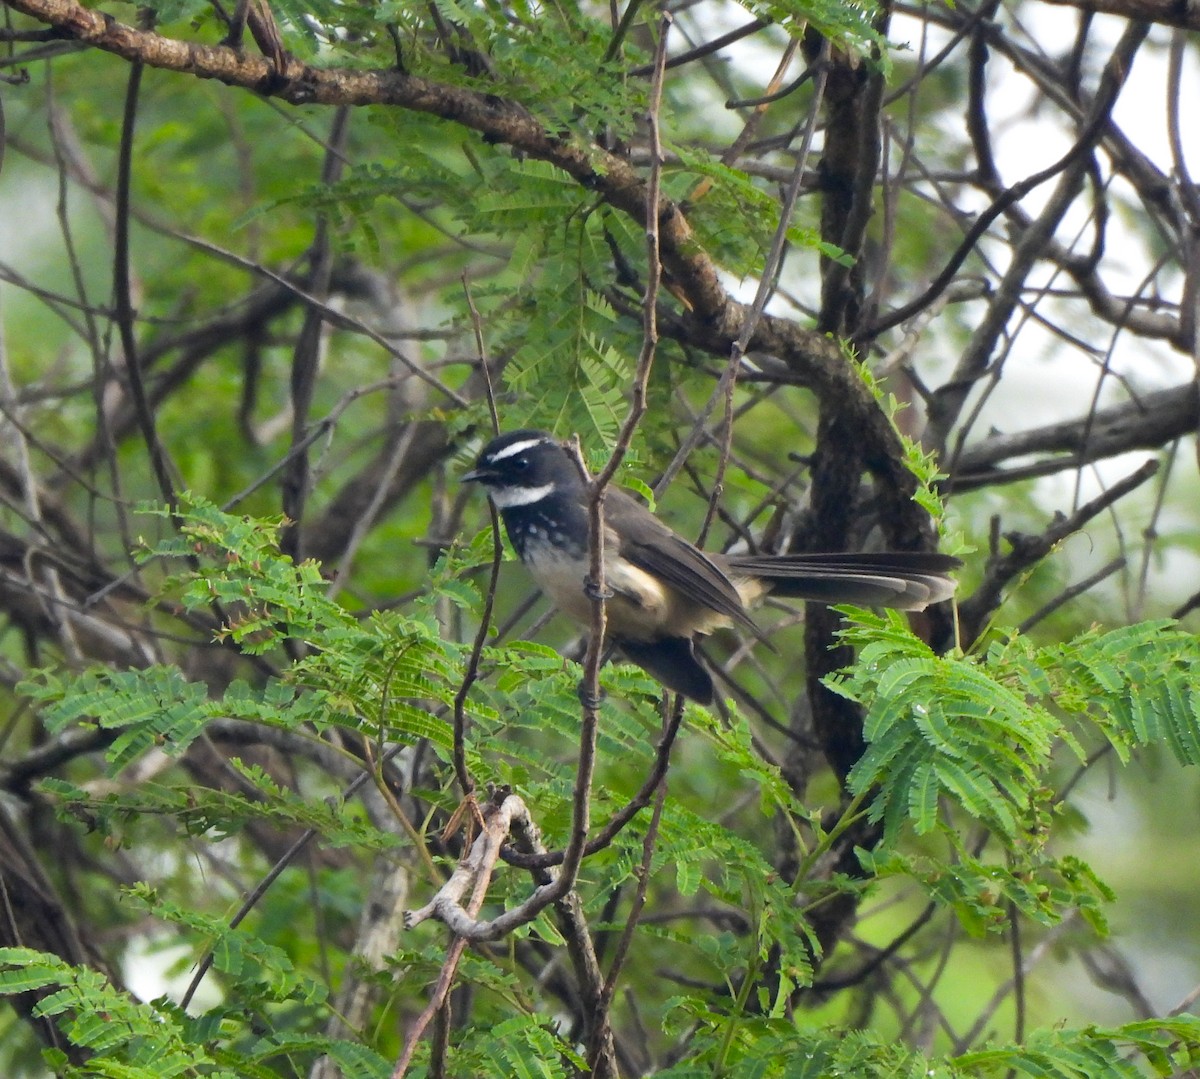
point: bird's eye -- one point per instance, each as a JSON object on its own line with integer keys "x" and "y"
{"x": 520, "y": 463}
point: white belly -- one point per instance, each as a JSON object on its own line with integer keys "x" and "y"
{"x": 640, "y": 608}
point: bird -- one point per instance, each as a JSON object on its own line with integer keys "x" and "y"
{"x": 663, "y": 592}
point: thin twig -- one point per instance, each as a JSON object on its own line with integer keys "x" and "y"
{"x": 465, "y": 781}
{"x": 642, "y": 872}
{"x": 123, "y": 301}
{"x": 307, "y": 353}
{"x": 1073, "y": 592}
{"x": 623, "y": 816}
{"x": 765, "y": 287}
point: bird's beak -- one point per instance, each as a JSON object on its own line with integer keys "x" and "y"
{"x": 477, "y": 475}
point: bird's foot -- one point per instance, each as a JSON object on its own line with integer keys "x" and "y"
{"x": 591, "y": 701}
{"x": 592, "y": 589}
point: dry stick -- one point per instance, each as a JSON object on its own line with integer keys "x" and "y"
{"x": 707, "y": 49}
{"x": 393, "y": 803}
{"x": 880, "y": 956}
{"x": 1026, "y": 550}
{"x": 558, "y": 887}
{"x": 1034, "y": 956}
{"x": 123, "y": 302}
{"x": 1026, "y": 252}
{"x": 58, "y": 611}
{"x": 478, "y": 865}
{"x": 766, "y": 286}
{"x": 463, "y": 923}
{"x": 1018, "y": 964}
{"x": 1187, "y": 606}
{"x": 645, "y": 362}
{"x": 728, "y": 158}
{"x": 754, "y": 121}
{"x": 1150, "y": 530}
{"x": 1144, "y": 286}
{"x": 946, "y": 406}
{"x": 1145, "y": 422}
{"x": 589, "y": 689}
{"x": 331, "y": 315}
{"x": 1185, "y": 188}
{"x": 1189, "y": 305}
{"x": 317, "y": 431}
{"x": 366, "y": 519}
{"x": 68, "y": 157}
{"x": 481, "y": 347}
{"x": 600, "y": 1047}
{"x": 596, "y": 988}
{"x": 1088, "y": 137}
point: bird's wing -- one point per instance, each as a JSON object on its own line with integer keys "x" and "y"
{"x": 655, "y": 548}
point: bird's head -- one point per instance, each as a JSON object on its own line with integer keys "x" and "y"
{"x": 524, "y": 467}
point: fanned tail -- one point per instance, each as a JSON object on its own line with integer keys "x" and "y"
{"x": 905, "y": 580}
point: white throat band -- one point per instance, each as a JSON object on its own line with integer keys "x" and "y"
{"x": 507, "y": 497}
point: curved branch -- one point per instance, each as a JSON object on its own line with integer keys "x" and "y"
{"x": 692, "y": 270}
{"x": 714, "y": 321}
{"x": 499, "y": 120}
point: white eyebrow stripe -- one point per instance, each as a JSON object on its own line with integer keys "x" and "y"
{"x": 515, "y": 448}
{"x": 506, "y": 497}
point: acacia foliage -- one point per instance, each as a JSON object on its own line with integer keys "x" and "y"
{"x": 243, "y": 673}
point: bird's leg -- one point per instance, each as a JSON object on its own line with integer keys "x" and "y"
{"x": 256, "y": 16}
{"x": 236, "y": 23}
{"x": 593, "y": 701}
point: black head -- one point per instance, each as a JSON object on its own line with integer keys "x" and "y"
{"x": 524, "y": 467}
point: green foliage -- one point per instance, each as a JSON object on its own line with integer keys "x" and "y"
{"x": 155, "y": 706}
{"x": 149, "y": 1040}
{"x": 218, "y": 814}
{"x": 978, "y": 736}
{"x": 952, "y": 742}
{"x": 780, "y": 1051}
{"x": 850, "y": 25}
{"x": 260, "y": 970}
{"x": 1138, "y": 684}
{"x": 524, "y": 1046}
{"x": 939, "y": 727}
{"x": 570, "y": 363}
{"x": 959, "y": 816}
{"x": 133, "y": 1040}
{"x": 1167, "y": 1047}
{"x": 736, "y": 218}
{"x": 980, "y": 732}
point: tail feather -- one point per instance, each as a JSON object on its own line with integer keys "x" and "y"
{"x": 905, "y": 580}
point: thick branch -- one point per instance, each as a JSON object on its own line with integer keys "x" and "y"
{"x": 1167, "y": 12}
{"x": 499, "y": 120}
{"x": 1145, "y": 423}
